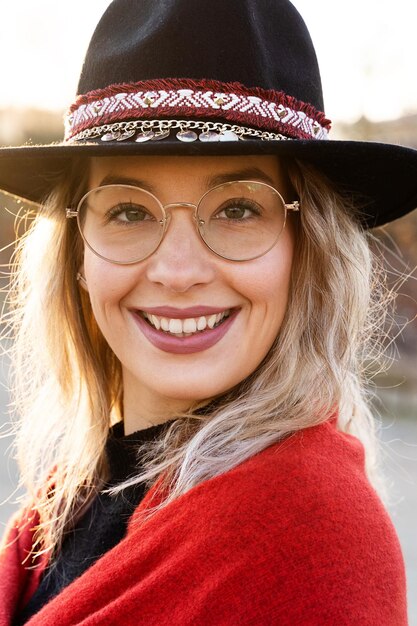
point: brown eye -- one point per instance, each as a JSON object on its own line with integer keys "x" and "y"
{"x": 238, "y": 209}
{"x": 132, "y": 213}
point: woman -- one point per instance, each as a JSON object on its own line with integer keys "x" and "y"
{"x": 193, "y": 308}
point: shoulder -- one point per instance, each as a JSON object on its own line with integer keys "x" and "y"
{"x": 316, "y": 467}
{"x": 302, "y": 529}
{"x": 317, "y": 474}
{"x": 310, "y": 491}
{"x": 326, "y": 528}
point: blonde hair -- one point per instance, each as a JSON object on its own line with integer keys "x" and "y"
{"x": 67, "y": 383}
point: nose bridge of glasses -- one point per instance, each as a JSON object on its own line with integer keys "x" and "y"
{"x": 181, "y": 205}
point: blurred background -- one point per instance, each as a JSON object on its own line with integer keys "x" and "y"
{"x": 367, "y": 53}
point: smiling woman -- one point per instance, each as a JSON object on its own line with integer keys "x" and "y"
{"x": 181, "y": 279}
{"x": 191, "y": 339}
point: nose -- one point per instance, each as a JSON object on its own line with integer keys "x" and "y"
{"x": 182, "y": 260}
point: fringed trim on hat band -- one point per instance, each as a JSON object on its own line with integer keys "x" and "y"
{"x": 262, "y": 109}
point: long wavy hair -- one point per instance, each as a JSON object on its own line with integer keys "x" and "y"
{"x": 67, "y": 384}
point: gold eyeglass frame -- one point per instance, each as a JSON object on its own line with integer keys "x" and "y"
{"x": 164, "y": 222}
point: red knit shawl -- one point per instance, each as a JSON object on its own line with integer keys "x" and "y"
{"x": 293, "y": 536}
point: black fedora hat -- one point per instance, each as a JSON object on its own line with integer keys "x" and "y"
{"x": 186, "y": 77}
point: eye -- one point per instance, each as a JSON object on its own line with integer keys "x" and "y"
{"x": 238, "y": 209}
{"x": 129, "y": 213}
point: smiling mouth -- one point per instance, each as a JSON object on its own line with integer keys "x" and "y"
{"x": 185, "y": 327}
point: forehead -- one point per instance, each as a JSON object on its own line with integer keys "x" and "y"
{"x": 197, "y": 172}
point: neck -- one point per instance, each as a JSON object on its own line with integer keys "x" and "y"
{"x": 142, "y": 409}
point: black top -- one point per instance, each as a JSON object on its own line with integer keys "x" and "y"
{"x": 102, "y": 526}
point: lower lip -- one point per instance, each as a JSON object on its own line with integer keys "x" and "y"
{"x": 185, "y": 345}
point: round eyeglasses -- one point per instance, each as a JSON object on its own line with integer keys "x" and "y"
{"x": 238, "y": 220}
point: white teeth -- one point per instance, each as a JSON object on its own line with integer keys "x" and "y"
{"x": 175, "y": 326}
{"x": 186, "y": 327}
{"x": 211, "y": 321}
{"x": 189, "y": 325}
{"x": 201, "y": 323}
{"x": 155, "y": 321}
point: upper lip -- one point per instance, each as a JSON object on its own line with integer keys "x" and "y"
{"x": 174, "y": 313}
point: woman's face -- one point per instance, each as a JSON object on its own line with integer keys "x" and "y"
{"x": 184, "y": 279}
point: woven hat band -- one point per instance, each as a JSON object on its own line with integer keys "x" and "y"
{"x": 232, "y": 103}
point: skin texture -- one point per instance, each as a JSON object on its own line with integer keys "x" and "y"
{"x": 182, "y": 273}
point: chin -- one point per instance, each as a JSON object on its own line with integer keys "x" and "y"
{"x": 190, "y": 392}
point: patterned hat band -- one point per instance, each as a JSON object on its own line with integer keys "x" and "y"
{"x": 193, "y": 110}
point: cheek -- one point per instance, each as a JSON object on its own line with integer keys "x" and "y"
{"x": 107, "y": 285}
{"x": 267, "y": 281}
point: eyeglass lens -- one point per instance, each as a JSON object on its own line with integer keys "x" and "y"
{"x": 238, "y": 221}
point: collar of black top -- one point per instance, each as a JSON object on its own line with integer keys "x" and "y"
{"x": 185, "y": 77}
{"x": 122, "y": 450}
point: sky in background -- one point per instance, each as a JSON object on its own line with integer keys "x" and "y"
{"x": 367, "y": 51}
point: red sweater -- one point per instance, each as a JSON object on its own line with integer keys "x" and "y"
{"x": 293, "y": 536}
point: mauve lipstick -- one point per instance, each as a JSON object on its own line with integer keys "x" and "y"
{"x": 184, "y": 345}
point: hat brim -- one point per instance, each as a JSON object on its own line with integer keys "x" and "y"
{"x": 383, "y": 177}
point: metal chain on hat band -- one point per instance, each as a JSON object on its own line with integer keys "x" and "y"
{"x": 187, "y": 131}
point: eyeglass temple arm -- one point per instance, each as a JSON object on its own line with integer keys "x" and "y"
{"x": 293, "y": 206}
{"x": 70, "y": 213}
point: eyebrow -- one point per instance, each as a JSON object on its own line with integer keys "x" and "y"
{"x": 249, "y": 173}
{"x": 116, "y": 179}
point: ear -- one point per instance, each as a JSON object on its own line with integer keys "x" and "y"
{"x": 82, "y": 281}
